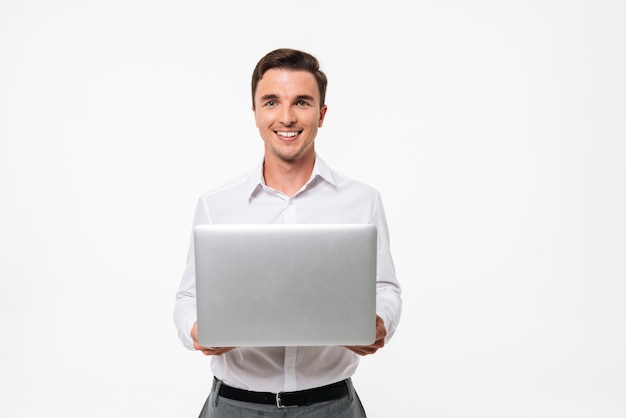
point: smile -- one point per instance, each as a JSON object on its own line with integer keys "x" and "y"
{"x": 289, "y": 134}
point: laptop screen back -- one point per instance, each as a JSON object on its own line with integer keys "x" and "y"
{"x": 286, "y": 284}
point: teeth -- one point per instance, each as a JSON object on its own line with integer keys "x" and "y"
{"x": 287, "y": 134}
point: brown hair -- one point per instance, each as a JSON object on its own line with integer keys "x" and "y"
{"x": 290, "y": 59}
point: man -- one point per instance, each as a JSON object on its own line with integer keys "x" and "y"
{"x": 292, "y": 184}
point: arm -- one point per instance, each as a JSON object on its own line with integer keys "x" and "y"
{"x": 185, "y": 307}
{"x": 388, "y": 292}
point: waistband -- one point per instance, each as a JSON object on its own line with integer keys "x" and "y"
{"x": 305, "y": 397}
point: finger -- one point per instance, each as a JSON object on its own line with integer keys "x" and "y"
{"x": 215, "y": 351}
{"x": 362, "y": 350}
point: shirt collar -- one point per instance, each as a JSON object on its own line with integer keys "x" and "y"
{"x": 320, "y": 169}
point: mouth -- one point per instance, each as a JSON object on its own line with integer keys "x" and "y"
{"x": 287, "y": 135}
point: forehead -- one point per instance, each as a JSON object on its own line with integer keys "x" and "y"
{"x": 285, "y": 83}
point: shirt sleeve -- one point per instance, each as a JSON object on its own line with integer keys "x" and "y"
{"x": 185, "y": 313}
{"x": 388, "y": 290}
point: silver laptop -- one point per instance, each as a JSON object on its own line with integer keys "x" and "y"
{"x": 286, "y": 285}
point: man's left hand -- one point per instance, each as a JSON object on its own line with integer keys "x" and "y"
{"x": 381, "y": 333}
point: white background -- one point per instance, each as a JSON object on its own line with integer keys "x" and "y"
{"x": 495, "y": 131}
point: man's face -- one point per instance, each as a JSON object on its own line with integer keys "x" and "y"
{"x": 287, "y": 113}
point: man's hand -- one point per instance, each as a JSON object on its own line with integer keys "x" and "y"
{"x": 207, "y": 351}
{"x": 381, "y": 333}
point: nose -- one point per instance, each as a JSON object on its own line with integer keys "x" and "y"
{"x": 287, "y": 116}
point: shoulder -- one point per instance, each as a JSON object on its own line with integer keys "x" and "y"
{"x": 237, "y": 186}
{"x": 346, "y": 182}
{"x": 343, "y": 181}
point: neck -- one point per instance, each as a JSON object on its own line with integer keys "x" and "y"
{"x": 287, "y": 176}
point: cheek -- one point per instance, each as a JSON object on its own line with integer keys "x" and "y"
{"x": 258, "y": 119}
{"x": 262, "y": 121}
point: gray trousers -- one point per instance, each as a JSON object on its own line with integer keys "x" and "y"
{"x": 219, "y": 407}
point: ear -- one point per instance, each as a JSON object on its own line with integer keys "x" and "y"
{"x": 323, "y": 110}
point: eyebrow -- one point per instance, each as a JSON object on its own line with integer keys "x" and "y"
{"x": 269, "y": 97}
{"x": 305, "y": 97}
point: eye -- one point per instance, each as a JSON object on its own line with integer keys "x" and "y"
{"x": 270, "y": 103}
{"x": 302, "y": 103}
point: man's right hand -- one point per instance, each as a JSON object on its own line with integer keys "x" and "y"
{"x": 207, "y": 351}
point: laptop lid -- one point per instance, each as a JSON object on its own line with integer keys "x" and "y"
{"x": 286, "y": 284}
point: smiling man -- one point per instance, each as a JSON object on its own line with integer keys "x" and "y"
{"x": 288, "y": 109}
{"x": 292, "y": 184}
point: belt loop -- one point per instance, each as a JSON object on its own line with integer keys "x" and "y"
{"x": 215, "y": 390}
{"x": 351, "y": 390}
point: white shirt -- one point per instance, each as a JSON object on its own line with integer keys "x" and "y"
{"x": 328, "y": 197}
